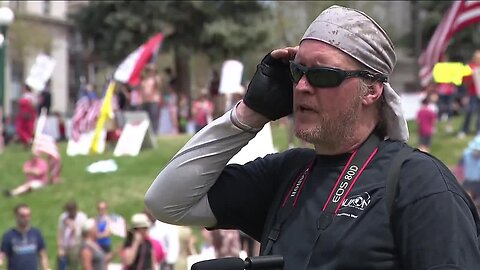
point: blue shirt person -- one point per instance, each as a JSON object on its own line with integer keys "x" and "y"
{"x": 103, "y": 228}
{"x": 23, "y": 246}
{"x": 471, "y": 166}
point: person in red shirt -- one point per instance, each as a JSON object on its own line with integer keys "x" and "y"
{"x": 474, "y": 101}
{"x": 26, "y": 115}
{"x": 426, "y": 120}
{"x": 202, "y": 110}
{"x": 36, "y": 174}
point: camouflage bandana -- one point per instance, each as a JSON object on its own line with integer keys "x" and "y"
{"x": 356, "y": 34}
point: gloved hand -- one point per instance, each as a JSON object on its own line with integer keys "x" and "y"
{"x": 270, "y": 91}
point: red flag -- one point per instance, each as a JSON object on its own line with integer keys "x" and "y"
{"x": 130, "y": 69}
{"x": 460, "y": 15}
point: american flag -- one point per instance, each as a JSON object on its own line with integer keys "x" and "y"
{"x": 44, "y": 143}
{"x": 85, "y": 116}
{"x": 460, "y": 15}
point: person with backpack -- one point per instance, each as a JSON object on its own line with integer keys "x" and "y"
{"x": 361, "y": 199}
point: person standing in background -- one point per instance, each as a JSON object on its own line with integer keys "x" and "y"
{"x": 202, "y": 110}
{"x": 69, "y": 234}
{"x": 44, "y": 100}
{"x": 471, "y": 165}
{"x": 151, "y": 94}
{"x": 90, "y": 92}
{"x": 138, "y": 252}
{"x": 26, "y": 116}
{"x": 23, "y": 246}
{"x": 103, "y": 223}
{"x": 91, "y": 254}
{"x": 227, "y": 243}
{"x": 473, "y": 100}
{"x": 426, "y": 120}
{"x": 168, "y": 120}
{"x": 446, "y": 92}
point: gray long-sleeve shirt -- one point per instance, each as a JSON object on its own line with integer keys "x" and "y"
{"x": 179, "y": 193}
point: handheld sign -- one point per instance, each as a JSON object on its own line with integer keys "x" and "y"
{"x": 40, "y": 72}
{"x": 231, "y": 77}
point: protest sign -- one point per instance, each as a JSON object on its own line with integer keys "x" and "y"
{"x": 231, "y": 76}
{"x": 131, "y": 139}
{"x": 40, "y": 72}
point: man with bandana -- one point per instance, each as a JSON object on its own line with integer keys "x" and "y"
{"x": 326, "y": 208}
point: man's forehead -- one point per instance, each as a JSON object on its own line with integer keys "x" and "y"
{"x": 318, "y": 52}
{"x": 24, "y": 210}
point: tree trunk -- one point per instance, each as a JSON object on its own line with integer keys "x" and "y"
{"x": 417, "y": 39}
{"x": 182, "y": 67}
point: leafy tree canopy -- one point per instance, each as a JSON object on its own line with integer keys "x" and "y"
{"x": 218, "y": 28}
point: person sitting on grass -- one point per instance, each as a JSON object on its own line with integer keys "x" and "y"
{"x": 36, "y": 174}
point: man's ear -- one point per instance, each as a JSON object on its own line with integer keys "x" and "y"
{"x": 374, "y": 93}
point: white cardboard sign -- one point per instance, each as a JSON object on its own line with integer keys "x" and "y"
{"x": 131, "y": 139}
{"x": 84, "y": 143}
{"x": 231, "y": 77}
{"x": 40, "y": 72}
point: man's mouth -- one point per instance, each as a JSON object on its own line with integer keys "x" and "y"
{"x": 304, "y": 108}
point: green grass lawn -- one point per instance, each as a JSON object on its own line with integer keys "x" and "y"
{"x": 125, "y": 188}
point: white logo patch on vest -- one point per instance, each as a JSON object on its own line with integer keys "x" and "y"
{"x": 359, "y": 202}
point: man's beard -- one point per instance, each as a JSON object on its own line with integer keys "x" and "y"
{"x": 23, "y": 223}
{"x": 333, "y": 131}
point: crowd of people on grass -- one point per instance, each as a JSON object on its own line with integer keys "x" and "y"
{"x": 87, "y": 243}
{"x": 169, "y": 110}
{"x": 442, "y": 101}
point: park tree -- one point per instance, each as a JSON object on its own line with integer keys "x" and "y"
{"x": 220, "y": 29}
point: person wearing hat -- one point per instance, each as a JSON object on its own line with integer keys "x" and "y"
{"x": 137, "y": 252}
{"x": 91, "y": 254}
{"x": 325, "y": 208}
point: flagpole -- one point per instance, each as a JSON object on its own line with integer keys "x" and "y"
{"x": 105, "y": 113}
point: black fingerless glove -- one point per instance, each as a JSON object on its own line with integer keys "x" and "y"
{"x": 270, "y": 91}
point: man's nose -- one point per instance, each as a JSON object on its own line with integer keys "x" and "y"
{"x": 303, "y": 85}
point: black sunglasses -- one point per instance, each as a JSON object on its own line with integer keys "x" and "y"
{"x": 329, "y": 77}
